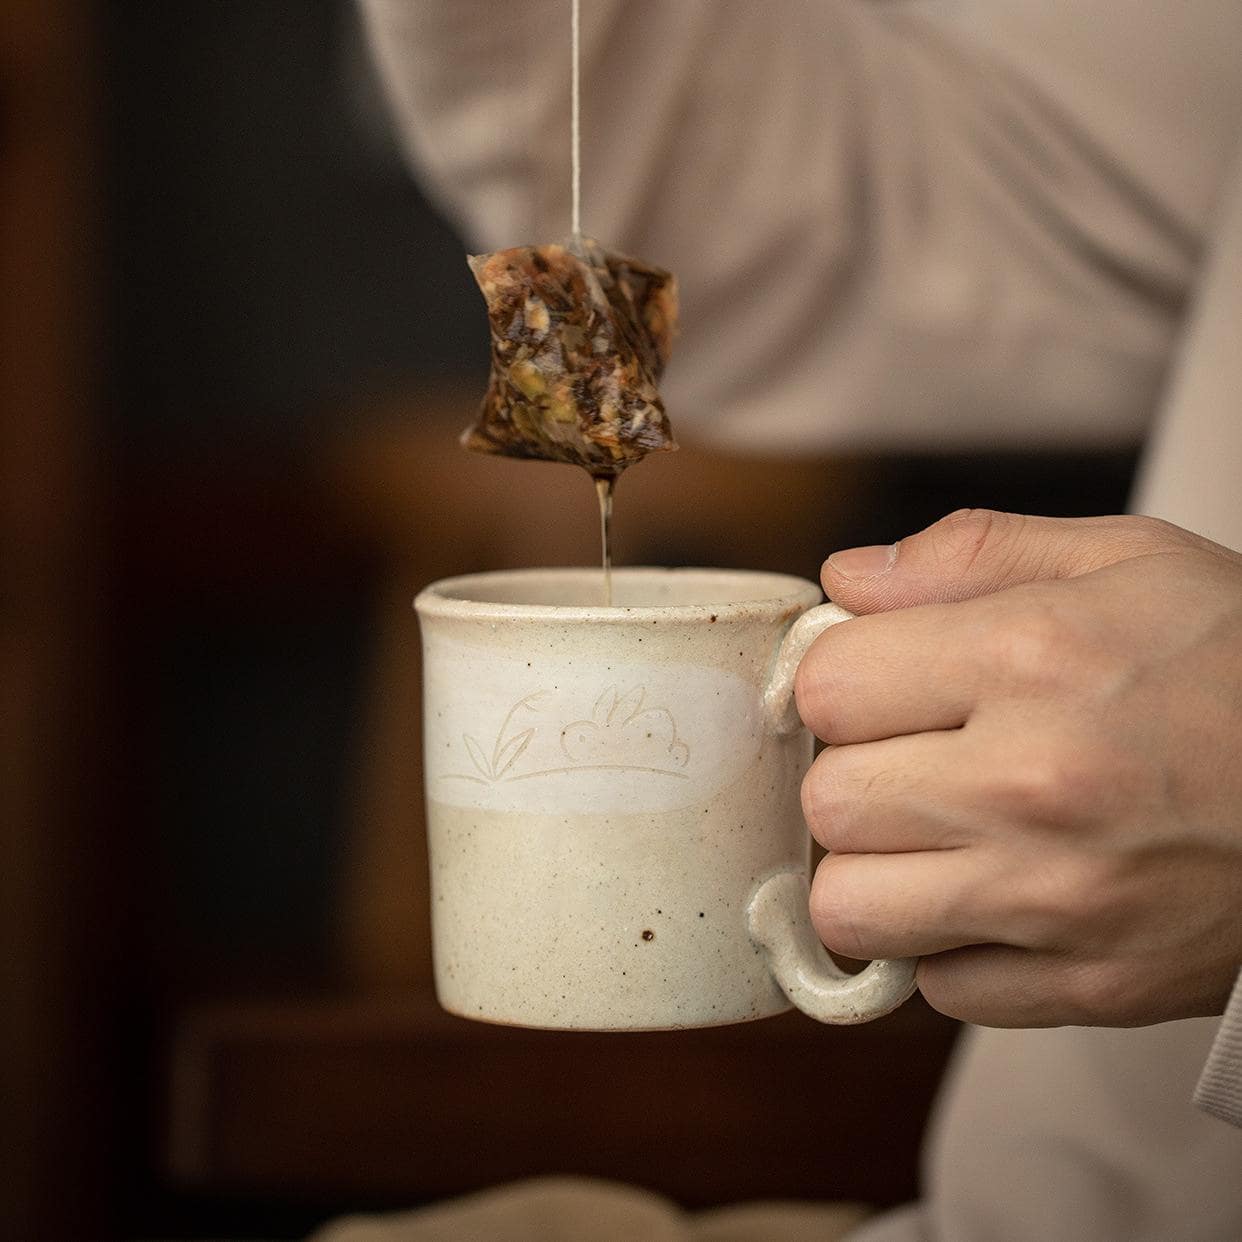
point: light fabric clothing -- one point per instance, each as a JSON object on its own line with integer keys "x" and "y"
{"x": 1219, "y": 1090}
{"x": 1194, "y": 459}
{"x": 902, "y": 225}
{"x": 1077, "y": 1134}
{"x": 919, "y": 224}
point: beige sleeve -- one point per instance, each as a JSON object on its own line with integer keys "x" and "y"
{"x": 1193, "y": 466}
{"x": 1191, "y": 475}
{"x": 895, "y": 225}
{"x": 1219, "y": 1090}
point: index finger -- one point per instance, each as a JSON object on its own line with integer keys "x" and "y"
{"x": 914, "y": 670}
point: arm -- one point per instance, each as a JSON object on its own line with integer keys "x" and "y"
{"x": 876, "y": 217}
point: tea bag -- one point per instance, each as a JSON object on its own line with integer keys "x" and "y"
{"x": 580, "y": 337}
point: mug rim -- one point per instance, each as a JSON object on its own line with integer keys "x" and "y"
{"x": 438, "y": 599}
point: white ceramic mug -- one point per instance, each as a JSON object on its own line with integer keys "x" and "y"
{"x": 614, "y": 819}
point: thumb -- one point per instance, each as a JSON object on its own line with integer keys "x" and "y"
{"x": 977, "y": 552}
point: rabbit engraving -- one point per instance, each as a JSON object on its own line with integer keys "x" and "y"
{"x": 622, "y": 731}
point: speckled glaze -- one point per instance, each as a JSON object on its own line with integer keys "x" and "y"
{"x": 614, "y": 820}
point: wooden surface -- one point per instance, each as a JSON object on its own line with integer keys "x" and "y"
{"x": 399, "y": 1102}
{"x": 57, "y": 922}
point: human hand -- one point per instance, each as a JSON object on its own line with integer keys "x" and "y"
{"x": 1035, "y": 777}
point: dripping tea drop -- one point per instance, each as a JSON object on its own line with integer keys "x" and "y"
{"x": 604, "y": 486}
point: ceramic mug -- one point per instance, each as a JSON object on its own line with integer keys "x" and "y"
{"x": 613, "y": 798}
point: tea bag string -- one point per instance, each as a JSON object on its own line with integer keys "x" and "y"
{"x": 575, "y": 127}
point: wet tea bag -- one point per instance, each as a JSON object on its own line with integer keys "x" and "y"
{"x": 580, "y": 336}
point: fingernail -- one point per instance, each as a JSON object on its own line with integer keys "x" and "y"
{"x": 863, "y": 562}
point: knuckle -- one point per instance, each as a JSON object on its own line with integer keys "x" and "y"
{"x": 1056, "y": 783}
{"x": 1036, "y": 646}
{"x": 1051, "y": 904}
{"x": 815, "y": 694}
{"x": 967, "y": 529}
{"x": 1141, "y": 535}
{"x": 806, "y": 689}
{"x": 962, "y": 535}
{"x": 1104, "y": 911}
{"x": 1030, "y": 786}
{"x": 1042, "y": 642}
{"x": 941, "y": 985}
{"x": 809, "y": 691}
{"x": 835, "y": 911}
{"x": 952, "y": 984}
{"x": 1113, "y": 540}
{"x": 813, "y": 804}
{"x": 1099, "y": 992}
{"x": 824, "y": 804}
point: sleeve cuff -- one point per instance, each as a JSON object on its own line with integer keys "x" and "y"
{"x": 1220, "y": 1085}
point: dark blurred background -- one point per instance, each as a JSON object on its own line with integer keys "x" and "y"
{"x": 237, "y": 348}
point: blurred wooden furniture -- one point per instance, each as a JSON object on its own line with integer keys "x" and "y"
{"x": 58, "y": 917}
{"x": 398, "y": 1102}
{"x": 379, "y": 1096}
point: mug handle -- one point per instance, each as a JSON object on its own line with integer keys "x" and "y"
{"x": 778, "y": 917}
